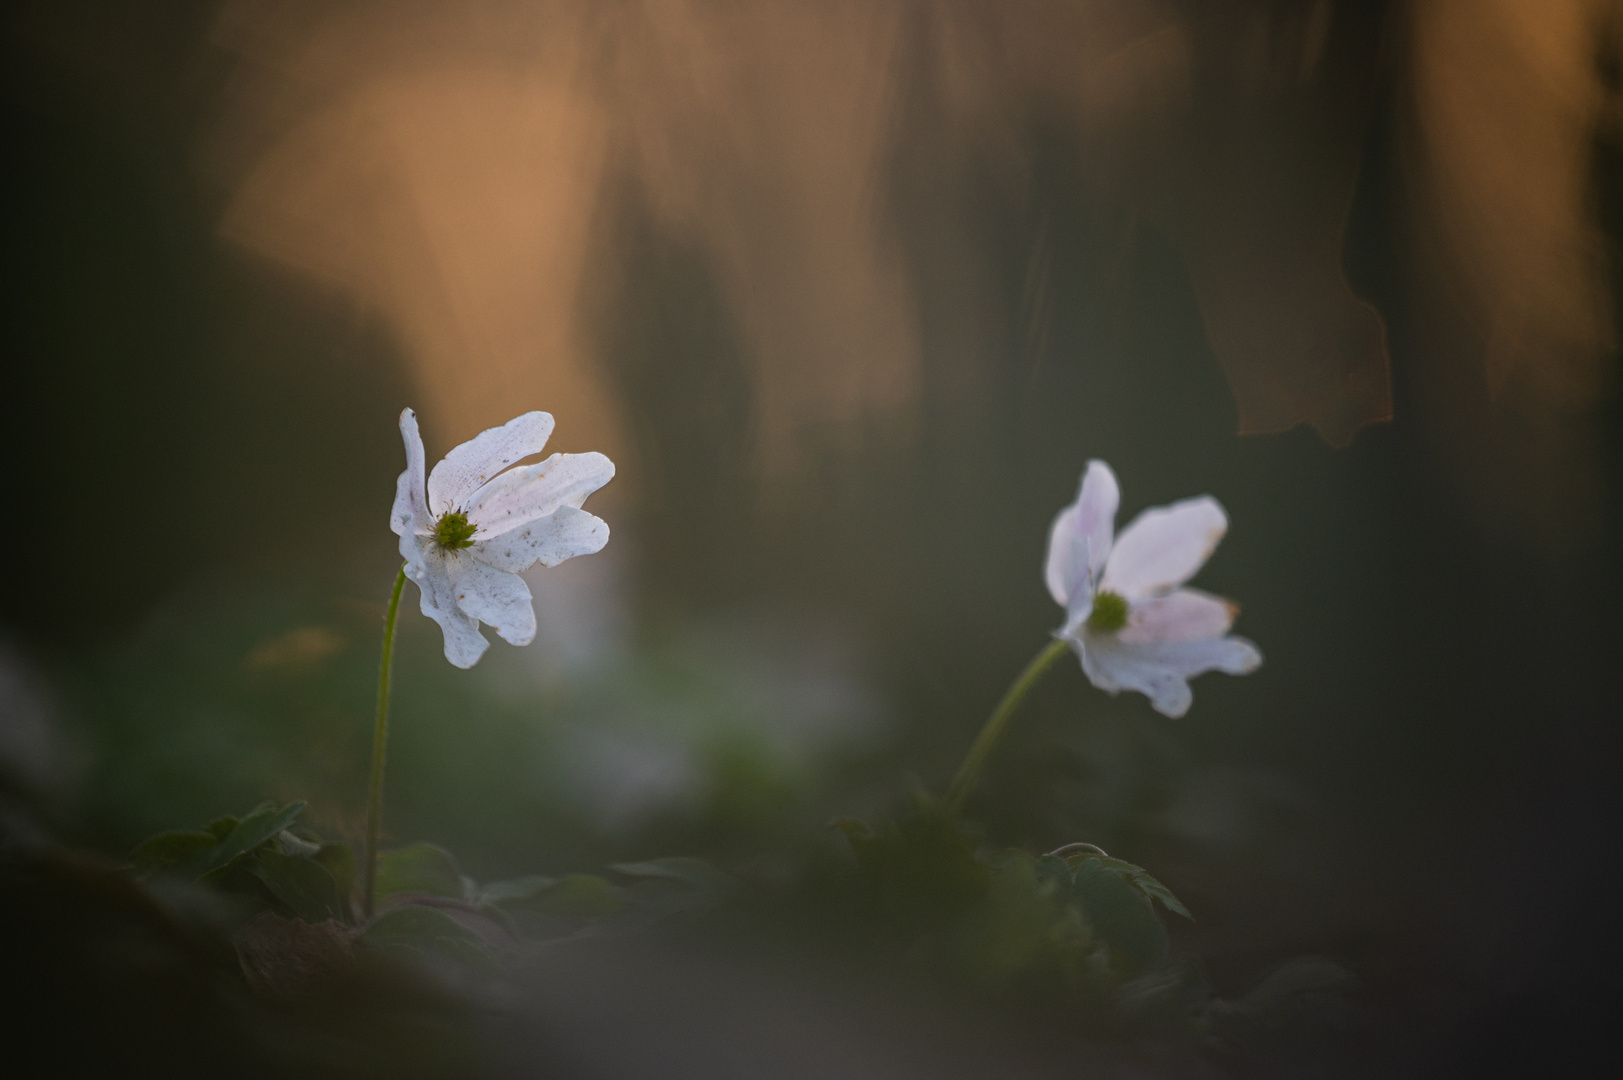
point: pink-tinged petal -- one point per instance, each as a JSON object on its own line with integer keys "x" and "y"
{"x": 1163, "y": 547}
{"x": 1184, "y": 615}
{"x": 473, "y": 464}
{"x": 522, "y": 495}
{"x": 495, "y": 597}
{"x": 1161, "y": 671}
{"x": 1079, "y": 541}
{"x": 432, "y": 569}
{"x": 563, "y": 534}
{"x": 410, "y": 513}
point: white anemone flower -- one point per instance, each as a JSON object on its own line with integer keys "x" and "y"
{"x": 1126, "y": 614}
{"x": 468, "y": 532}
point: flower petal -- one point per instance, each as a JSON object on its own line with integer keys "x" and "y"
{"x": 1161, "y": 670}
{"x": 1184, "y": 615}
{"x": 1080, "y": 606}
{"x": 1091, "y": 519}
{"x": 563, "y": 534}
{"x": 519, "y": 496}
{"x": 410, "y": 513}
{"x": 495, "y": 597}
{"x": 431, "y": 568}
{"x": 467, "y": 468}
{"x": 1164, "y": 546}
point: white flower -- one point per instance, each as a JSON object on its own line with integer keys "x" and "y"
{"x": 1125, "y": 615}
{"x": 466, "y": 534}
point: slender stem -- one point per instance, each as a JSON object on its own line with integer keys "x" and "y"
{"x": 970, "y": 770}
{"x": 380, "y": 743}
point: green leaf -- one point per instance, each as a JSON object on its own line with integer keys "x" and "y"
{"x": 685, "y": 870}
{"x": 1144, "y": 881}
{"x": 419, "y": 868}
{"x": 415, "y": 924}
{"x": 517, "y": 891}
{"x": 541, "y": 907}
{"x": 220, "y": 828}
{"x": 471, "y": 953}
{"x": 1051, "y": 868}
{"x": 667, "y": 887}
{"x": 255, "y": 829}
{"x": 288, "y": 844}
{"x": 575, "y": 896}
{"x": 1151, "y": 887}
{"x": 239, "y": 838}
{"x": 419, "y": 929}
{"x": 168, "y": 849}
{"x": 339, "y": 861}
{"x": 302, "y": 884}
{"x": 1121, "y": 915}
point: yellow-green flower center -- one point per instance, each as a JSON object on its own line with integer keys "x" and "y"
{"x": 1109, "y": 613}
{"x": 454, "y": 530}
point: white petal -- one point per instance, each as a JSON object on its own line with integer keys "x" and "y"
{"x": 495, "y": 597}
{"x": 471, "y": 465}
{"x": 431, "y": 568}
{"x": 1163, "y": 547}
{"x": 1161, "y": 671}
{"x": 563, "y": 534}
{"x": 1080, "y": 605}
{"x": 1232, "y": 655}
{"x": 1184, "y": 615}
{"x": 1090, "y": 519}
{"x": 1113, "y": 669}
{"x": 410, "y": 513}
{"x": 519, "y": 496}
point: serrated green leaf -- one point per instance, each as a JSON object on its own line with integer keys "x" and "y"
{"x": 168, "y": 849}
{"x": 302, "y": 884}
{"x": 1148, "y": 885}
{"x": 1120, "y": 914}
{"x": 1141, "y": 879}
{"x": 419, "y": 868}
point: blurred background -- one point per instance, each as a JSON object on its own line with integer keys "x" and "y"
{"x": 850, "y": 291}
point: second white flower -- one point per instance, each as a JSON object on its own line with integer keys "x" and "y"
{"x": 1127, "y": 616}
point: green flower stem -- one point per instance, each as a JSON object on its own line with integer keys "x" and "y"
{"x": 970, "y": 770}
{"x": 380, "y": 742}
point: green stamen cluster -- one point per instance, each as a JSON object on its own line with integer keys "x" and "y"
{"x": 454, "y": 531}
{"x": 1109, "y": 613}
